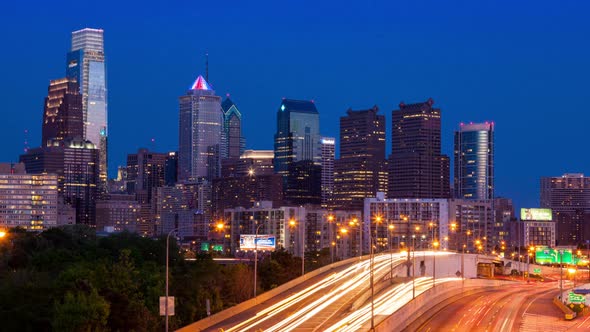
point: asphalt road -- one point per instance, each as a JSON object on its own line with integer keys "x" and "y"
{"x": 519, "y": 307}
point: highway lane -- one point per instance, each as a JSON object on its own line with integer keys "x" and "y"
{"x": 502, "y": 309}
{"x": 288, "y": 312}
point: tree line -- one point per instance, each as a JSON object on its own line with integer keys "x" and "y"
{"x": 70, "y": 279}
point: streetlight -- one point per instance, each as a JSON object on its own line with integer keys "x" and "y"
{"x": 343, "y": 232}
{"x": 256, "y": 258}
{"x": 330, "y": 220}
{"x": 391, "y": 228}
{"x": 413, "y": 265}
{"x": 293, "y": 223}
{"x": 435, "y": 246}
{"x": 167, "y": 263}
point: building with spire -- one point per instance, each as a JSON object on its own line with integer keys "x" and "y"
{"x": 200, "y": 133}
{"x": 86, "y": 64}
{"x": 417, "y": 169}
{"x": 233, "y": 141}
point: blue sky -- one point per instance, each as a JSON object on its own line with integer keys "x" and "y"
{"x": 524, "y": 66}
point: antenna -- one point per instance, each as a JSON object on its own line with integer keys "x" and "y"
{"x": 26, "y": 142}
{"x": 207, "y": 67}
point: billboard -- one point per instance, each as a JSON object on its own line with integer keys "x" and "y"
{"x": 263, "y": 242}
{"x": 536, "y": 214}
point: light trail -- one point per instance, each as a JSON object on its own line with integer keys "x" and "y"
{"x": 345, "y": 281}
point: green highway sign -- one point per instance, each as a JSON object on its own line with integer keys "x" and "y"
{"x": 576, "y": 298}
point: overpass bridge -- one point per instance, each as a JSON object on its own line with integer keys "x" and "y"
{"x": 338, "y": 297}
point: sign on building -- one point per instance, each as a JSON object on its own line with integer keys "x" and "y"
{"x": 536, "y": 214}
{"x": 257, "y": 242}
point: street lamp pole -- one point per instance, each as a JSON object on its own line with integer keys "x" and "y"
{"x": 372, "y": 285}
{"x": 256, "y": 259}
{"x": 167, "y": 264}
{"x": 303, "y": 249}
{"x": 413, "y": 266}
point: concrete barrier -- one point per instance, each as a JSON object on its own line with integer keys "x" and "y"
{"x": 569, "y": 314}
{"x": 416, "y": 308}
{"x": 206, "y": 323}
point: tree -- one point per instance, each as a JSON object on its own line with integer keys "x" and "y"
{"x": 81, "y": 311}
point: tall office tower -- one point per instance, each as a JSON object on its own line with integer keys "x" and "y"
{"x": 568, "y": 196}
{"x": 234, "y": 142}
{"x": 75, "y": 162}
{"x": 417, "y": 167}
{"x": 361, "y": 170}
{"x": 328, "y": 154}
{"x": 304, "y": 183}
{"x": 504, "y": 218}
{"x": 171, "y": 169}
{"x": 474, "y": 161}
{"x": 63, "y": 115}
{"x": 145, "y": 171}
{"x": 247, "y": 180}
{"x": 201, "y": 126}
{"x": 28, "y": 200}
{"x": 86, "y": 64}
{"x": 298, "y": 134}
{"x": 185, "y": 206}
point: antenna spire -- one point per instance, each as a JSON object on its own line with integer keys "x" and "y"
{"x": 207, "y": 66}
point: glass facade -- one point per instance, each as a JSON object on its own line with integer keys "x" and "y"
{"x": 86, "y": 63}
{"x": 474, "y": 161}
{"x": 298, "y": 134}
{"x": 200, "y": 133}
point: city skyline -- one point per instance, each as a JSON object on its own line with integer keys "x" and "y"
{"x": 520, "y": 97}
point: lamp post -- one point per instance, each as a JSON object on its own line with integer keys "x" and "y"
{"x": 167, "y": 264}
{"x": 390, "y": 228}
{"x": 435, "y": 246}
{"x": 561, "y": 275}
{"x": 330, "y": 221}
{"x": 372, "y": 284}
{"x": 256, "y": 259}
{"x": 413, "y": 266}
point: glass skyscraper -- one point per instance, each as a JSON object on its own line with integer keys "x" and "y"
{"x": 201, "y": 126}
{"x": 86, "y": 64}
{"x": 474, "y": 161}
{"x": 232, "y": 130}
{"x": 298, "y": 134}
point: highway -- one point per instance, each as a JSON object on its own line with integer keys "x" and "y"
{"x": 324, "y": 304}
{"x": 519, "y": 307}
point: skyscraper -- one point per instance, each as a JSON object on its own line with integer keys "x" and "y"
{"x": 361, "y": 170}
{"x": 86, "y": 64}
{"x": 328, "y": 155}
{"x": 63, "y": 115}
{"x": 298, "y": 134}
{"x": 474, "y": 161}
{"x": 568, "y": 196}
{"x": 232, "y": 130}
{"x": 417, "y": 167}
{"x": 75, "y": 163}
{"x": 201, "y": 125}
